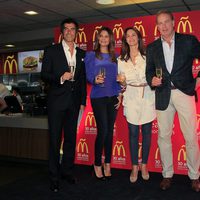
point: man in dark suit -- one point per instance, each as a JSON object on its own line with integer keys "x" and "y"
{"x": 66, "y": 96}
{"x": 172, "y": 56}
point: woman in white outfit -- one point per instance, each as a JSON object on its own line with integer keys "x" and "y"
{"x": 138, "y": 98}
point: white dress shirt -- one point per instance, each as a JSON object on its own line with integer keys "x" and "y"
{"x": 168, "y": 51}
{"x": 71, "y": 59}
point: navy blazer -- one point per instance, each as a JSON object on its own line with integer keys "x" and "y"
{"x": 53, "y": 67}
{"x": 187, "y": 48}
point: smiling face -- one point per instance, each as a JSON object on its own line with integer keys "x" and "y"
{"x": 69, "y": 32}
{"x": 132, "y": 38}
{"x": 104, "y": 39}
{"x": 165, "y": 25}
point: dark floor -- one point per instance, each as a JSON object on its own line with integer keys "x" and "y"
{"x": 29, "y": 181}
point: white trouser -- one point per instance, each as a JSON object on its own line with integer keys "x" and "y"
{"x": 186, "y": 109}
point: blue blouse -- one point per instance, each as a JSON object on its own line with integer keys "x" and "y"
{"x": 93, "y": 65}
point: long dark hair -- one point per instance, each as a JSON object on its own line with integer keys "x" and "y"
{"x": 125, "y": 50}
{"x": 111, "y": 46}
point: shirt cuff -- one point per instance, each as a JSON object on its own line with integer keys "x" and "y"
{"x": 61, "y": 80}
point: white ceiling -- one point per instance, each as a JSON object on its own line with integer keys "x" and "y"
{"x": 35, "y": 32}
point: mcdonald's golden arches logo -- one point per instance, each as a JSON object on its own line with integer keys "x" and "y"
{"x": 157, "y": 153}
{"x": 184, "y": 25}
{"x": 119, "y": 149}
{"x": 90, "y": 120}
{"x": 117, "y": 30}
{"x": 81, "y": 36}
{"x": 60, "y": 38}
{"x": 156, "y": 30}
{"x": 198, "y": 120}
{"x": 95, "y": 32}
{"x": 182, "y": 152}
{"x": 140, "y": 150}
{"x": 82, "y": 146}
{"x": 140, "y": 27}
{"x": 196, "y": 61}
{"x": 10, "y": 64}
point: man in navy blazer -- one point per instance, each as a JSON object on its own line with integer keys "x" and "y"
{"x": 173, "y": 56}
{"x": 65, "y": 99}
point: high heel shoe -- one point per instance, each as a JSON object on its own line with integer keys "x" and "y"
{"x": 134, "y": 174}
{"x": 144, "y": 172}
{"x": 101, "y": 178}
{"x": 107, "y": 172}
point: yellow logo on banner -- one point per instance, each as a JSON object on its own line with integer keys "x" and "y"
{"x": 81, "y": 36}
{"x": 184, "y": 23}
{"x": 95, "y": 32}
{"x": 60, "y": 38}
{"x": 82, "y": 146}
{"x": 196, "y": 61}
{"x": 90, "y": 120}
{"x": 140, "y": 150}
{"x": 140, "y": 27}
{"x": 157, "y": 153}
{"x": 117, "y": 30}
{"x": 10, "y": 63}
{"x": 182, "y": 152}
{"x": 156, "y": 30}
{"x": 198, "y": 120}
{"x": 119, "y": 148}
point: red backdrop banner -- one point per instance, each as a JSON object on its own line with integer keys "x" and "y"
{"x": 185, "y": 22}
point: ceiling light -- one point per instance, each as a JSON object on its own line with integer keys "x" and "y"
{"x": 31, "y": 12}
{"x": 9, "y": 45}
{"x": 144, "y": 1}
{"x": 105, "y": 2}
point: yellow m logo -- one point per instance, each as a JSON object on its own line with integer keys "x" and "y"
{"x": 184, "y": 24}
{"x": 82, "y": 146}
{"x": 140, "y": 28}
{"x": 95, "y": 32}
{"x": 182, "y": 152}
{"x": 119, "y": 148}
{"x": 140, "y": 150}
{"x": 10, "y": 64}
{"x": 157, "y": 153}
{"x": 81, "y": 36}
{"x": 90, "y": 120}
{"x": 117, "y": 30}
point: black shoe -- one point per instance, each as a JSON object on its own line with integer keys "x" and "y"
{"x": 54, "y": 186}
{"x": 97, "y": 177}
{"x": 69, "y": 178}
{"x": 108, "y": 177}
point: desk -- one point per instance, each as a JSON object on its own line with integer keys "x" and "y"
{"x": 23, "y": 136}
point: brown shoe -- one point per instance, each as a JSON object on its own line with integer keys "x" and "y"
{"x": 195, "y": 184}
{"x": 166, "y": 183}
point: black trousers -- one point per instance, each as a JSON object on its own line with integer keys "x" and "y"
{"x": 62, "y": 119}
{"x": 105, "y": 115}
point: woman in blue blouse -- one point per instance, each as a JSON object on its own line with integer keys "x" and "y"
{"x": 105, "y": 98}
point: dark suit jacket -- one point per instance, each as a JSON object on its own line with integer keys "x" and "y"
{"x": 53, "y": 67}
{"x": 187, "y": 47}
